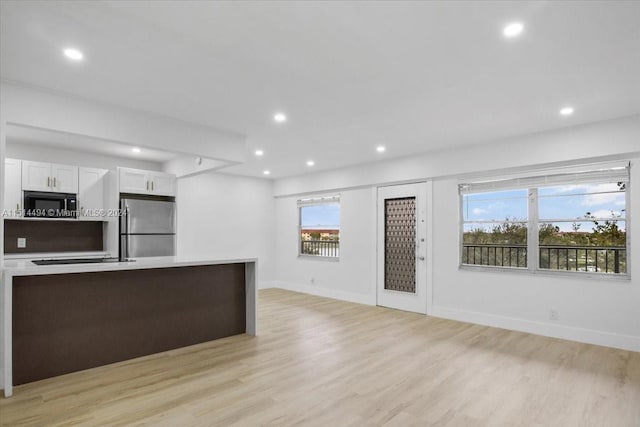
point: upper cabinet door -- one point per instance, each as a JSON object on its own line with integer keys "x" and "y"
{"x": 64, "y": 178}
{"x": 36, "y": 176}
{"x": 138, "y": 181}
{"x": 91, "y": 193}
{"x": 134, "y": 181}
{"x": 163, "y": 184}
{"x": 12, "y": 187}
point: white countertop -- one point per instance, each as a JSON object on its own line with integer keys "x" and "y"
{"x": 27, "y": 268}
{"x": 55, "y": 255}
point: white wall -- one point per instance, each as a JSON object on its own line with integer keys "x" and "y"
{"x": 351, "y": 277}
{"x": 39, "y": 153}
{"x": 227, "y": 217}
{"x": 586, "y": 143}
{"x": 590, "y": 310}
{"x": 593, "y": 310}
{"x": 40, "y": 108}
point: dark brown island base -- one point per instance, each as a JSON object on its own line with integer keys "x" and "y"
{"x": 64, "y": 321}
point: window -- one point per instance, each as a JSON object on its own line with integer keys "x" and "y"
{"x": 495, "y": 228}
{"x": 319, "y": 227}
{"x": 571, "y": 222}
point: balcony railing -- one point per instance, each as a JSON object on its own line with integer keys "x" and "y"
{"x": 600, "y": 259}
{"x": 328, "y": 248}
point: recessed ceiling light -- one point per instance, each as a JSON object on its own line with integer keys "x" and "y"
{"x": 381, "y": 149}
{"x": 267, "y": 172}
{"x": 259, "y": 152}
{"x": 310, "y": 163}
{"x": 280, "y": 117}
{"x": 136, "y": 150}
{"x": 513, "y": 30}
{"x": 566, "y": 111}
{"x": 73, "y": 54}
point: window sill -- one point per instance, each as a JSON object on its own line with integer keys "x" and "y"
{"x": 623, "y": 278}
{"x": 319, "y": 258}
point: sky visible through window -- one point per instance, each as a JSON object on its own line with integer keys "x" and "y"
{"x": 321, "y": 217}
{"x": 566, "y": 202}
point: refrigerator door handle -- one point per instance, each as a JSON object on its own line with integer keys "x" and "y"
{"x": 126, "y": 219}
{"x": 125, "y": 246}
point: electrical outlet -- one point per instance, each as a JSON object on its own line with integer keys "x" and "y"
{"x": 22, "y": 242}
{"x": 553, "y": 314}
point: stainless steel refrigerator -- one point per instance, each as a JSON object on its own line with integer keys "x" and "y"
{"x": 147, "y": 228}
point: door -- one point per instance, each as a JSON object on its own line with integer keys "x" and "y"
{"x": 402, "y": 244}
{"x": 12, "y": 187}
{"x": 134, "y": 181}
{"x": 91, "y": 193}
{"x": 147, "y": 245}
{"x": 64, "y": 179}
{"x": 148, "y": 217}
{"x": 163, "y": 184}
{"x": 36, "y": 176}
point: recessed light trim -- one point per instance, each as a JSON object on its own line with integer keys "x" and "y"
{"x": 381, "y": 149}
{"x": 514, "y": 29}
{"x": 566, "y": 111}
{"x": 280, "y": 117}
{"x": 136, "y": 150}
{"x": 310, "y": 163}
{"x": 259, "y": 152}
{"x": 73, "y": 54}
{"x": 267, "y": 172}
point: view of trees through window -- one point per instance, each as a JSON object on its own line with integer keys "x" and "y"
{"x": 580, "y": 228}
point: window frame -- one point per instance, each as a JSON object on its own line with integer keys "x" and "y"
{"x": 533, "y": 244}
{"x": 317, "y": 201}
{"x": 461, "y": 236}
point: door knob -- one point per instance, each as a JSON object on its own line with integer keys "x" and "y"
{"x": 421, "y": 258}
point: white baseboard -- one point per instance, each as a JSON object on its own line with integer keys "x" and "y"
{"x": 267, "y": 284}
{"x": 607, "y": 339}
{"x": 327, "y": 293}
{"x": 589, "y": 336}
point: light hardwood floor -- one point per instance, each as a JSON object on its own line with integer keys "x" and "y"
{"x": 323, "y": 362}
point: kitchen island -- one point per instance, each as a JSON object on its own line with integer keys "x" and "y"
{"x": 58, "y": 319}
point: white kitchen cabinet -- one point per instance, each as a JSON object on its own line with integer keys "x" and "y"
{"x": 91, "y": 193}
{"x": 138, "y": 181}
{"x": 134, "y": 181}
{"x": 36, "y": 176}
{"x": 65, "y": 178}
{"x": 12, "y": 187}
{"x": 162, "y": 184}
{"x": 39, "y": 176}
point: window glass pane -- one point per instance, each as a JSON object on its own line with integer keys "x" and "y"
{"x": 583, "y": 228}
{"x": 495, "y": 206}
{"x": 320, "y": 230}
{"x": 502, "y": 244}
{"x": 582, "y": 201}
{"x": 593, "y": 246}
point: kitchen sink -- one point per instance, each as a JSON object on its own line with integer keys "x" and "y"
{"x": 79, "y": 261}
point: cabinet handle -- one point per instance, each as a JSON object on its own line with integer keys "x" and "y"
{"x": 17, "y": 206}
{"x": 147, "y": 185}
{"x": 54, "y": 182}
{"x": 151, "y": 185}
{"x": 48, "y": 181}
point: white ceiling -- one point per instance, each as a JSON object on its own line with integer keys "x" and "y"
{"x": 82, "y": 143}
{"x": 414, "y": 76}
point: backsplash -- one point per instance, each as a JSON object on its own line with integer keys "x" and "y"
{"x": 52, "y": 236}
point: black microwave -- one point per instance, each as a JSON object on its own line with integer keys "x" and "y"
{"x": 50, "y": 205}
